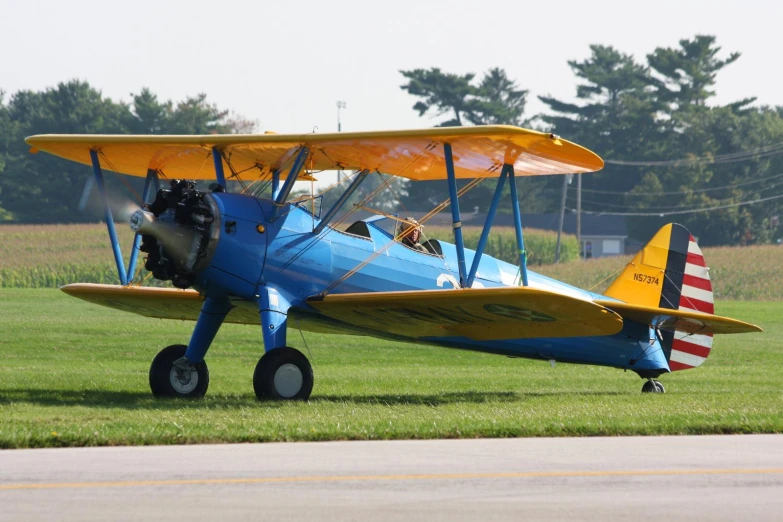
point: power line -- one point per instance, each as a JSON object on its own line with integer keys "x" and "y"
{"x": 681, "y": 192}
{"x": 760, "y": 152}
{"x": 664, "y": 208}
{"x": 678, "y": 212}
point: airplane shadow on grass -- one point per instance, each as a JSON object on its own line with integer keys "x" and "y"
{"x": 145, "y": 401}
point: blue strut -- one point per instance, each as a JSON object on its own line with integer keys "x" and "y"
{"x": 487, "y": 226}
{"x": 517, "y": 224}
{"x": 217, "y": 159}
{"x": 213, "y": 312}
{"x": 455, "y": 218}
{"x": 341, "y": 200}
{"x": 275, "y": 184}
{"x": 273, "y": 310}
{"x": 291, "y": 178}
{"x": 152, "y": 180}
{"x": 115, "y": 244}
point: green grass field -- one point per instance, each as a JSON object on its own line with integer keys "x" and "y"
{"x": 75, "y": 374}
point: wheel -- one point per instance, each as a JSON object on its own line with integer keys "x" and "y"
{"x": 171, "y": 376}
{"x": 283, "y": 374}
{"x": 653, "y": 386}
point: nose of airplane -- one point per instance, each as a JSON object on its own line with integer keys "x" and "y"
{"x": 142, "y": 222}
{"x": 179, "y": 232}
{"x": 181, "y": 244}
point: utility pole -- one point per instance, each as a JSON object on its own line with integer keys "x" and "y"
{"x": 579, "y": 214}
{"x": 340, "y": 105}
{"x": 566, "y": 181}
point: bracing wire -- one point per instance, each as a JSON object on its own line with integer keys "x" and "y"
{"x": 337, "y": 222}
{"x": 394, "y": 240}
{"x": 113, "y": 169}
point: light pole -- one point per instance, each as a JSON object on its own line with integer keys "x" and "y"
{"x": 340, "y": 105}
{"x": 566, "y": 181}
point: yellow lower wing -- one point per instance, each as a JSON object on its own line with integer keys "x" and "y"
{"x": 684, "y": 321}
{"x": 162, "y": 303}
{"x": 476, "y": 313}
{"x": 184, "y": 305}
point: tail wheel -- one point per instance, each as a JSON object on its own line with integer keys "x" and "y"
{"x": 171, "y": 375}
{"x": 283, "y": 374}
{"x": 653, "y": 386}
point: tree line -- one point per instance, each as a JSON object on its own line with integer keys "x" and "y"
{"x": 668, "y": 147}
{"x": 668, "y": 150}
{"x": 41, "y": 188}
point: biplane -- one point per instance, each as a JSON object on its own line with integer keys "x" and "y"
{"x": 264, "y": 258}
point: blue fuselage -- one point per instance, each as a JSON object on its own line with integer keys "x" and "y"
{"x": 286, "y": 255}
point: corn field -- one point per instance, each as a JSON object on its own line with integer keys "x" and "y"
{"x": 48, "y": 256}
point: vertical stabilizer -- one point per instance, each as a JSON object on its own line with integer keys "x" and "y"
{"x": 670, "y": 272}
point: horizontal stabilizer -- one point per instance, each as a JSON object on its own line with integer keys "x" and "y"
{"x": 476, "y": 313}
{"x": 680, "y": 320}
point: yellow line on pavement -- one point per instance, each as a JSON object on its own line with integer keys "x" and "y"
{"x": 359, "y": 478}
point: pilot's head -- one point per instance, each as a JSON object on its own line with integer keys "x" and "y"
{"x": 411, "y": 231}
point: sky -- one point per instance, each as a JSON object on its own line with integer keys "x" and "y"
{"x": 286, "y": 64}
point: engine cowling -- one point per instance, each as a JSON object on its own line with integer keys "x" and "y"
{"x": 179, "y": 231}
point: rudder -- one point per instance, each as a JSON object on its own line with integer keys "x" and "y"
{"x": 670, "y": 272}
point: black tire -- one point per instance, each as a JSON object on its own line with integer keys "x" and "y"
{"x": 168, "y": 381}
{"x": 283, "y": 374}
{"x": 653, "y": 387}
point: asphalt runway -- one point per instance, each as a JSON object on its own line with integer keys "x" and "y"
{"x": 618, "y": 478}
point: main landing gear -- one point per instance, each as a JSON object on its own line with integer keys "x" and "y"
{"x": 653, "y": 386}
{"x": 172, "y": 375}
{"x": 283, "y": 374}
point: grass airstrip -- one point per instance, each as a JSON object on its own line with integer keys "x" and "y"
{"x": 75, "y": 374}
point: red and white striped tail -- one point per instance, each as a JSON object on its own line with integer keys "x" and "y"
{"x": 690, "y": 350}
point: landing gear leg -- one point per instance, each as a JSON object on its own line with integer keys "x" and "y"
{"x": 179, "y": 370}
{"x": 283, "y": 373}
{"x": 653, "y": 386}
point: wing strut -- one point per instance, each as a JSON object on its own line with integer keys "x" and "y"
{"x": 149, "y": 182}
{"x": 341, "y": 200}
{"x": 296, "y": 168}
{"x": 220, "y": 176}
{"x": 115, "y": 244}
{"x": 517, "y": 223}
{"x": 487, "y": 226}
{"x": 455, "y": 217}
{"x": 275, "y": 183}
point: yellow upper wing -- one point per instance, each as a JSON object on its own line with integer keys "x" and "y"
{"x": 415, "y": 154}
